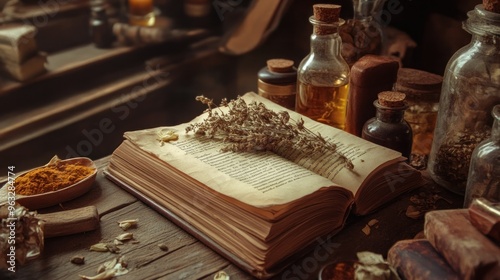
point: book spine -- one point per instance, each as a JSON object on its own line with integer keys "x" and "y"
{"x": 417, "y": 260}
{"x": 467, "y": 250}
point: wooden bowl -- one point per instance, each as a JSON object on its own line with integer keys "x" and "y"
{"x": 38, "y": 201}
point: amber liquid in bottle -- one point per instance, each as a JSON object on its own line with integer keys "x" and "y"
{"x": 324, "y": 104}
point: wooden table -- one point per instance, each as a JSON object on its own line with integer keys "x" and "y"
{"x": 188, "y": 258}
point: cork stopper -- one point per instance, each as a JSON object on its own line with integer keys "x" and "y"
{"x": 391, "y": 99}
{"x": 280, "y": 65}
{"x": 328, "y": 14}
{"x": 492, "y": 5}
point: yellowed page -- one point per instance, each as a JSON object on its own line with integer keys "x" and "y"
{"x": 259, "y": 179}
{"x": 366, "y": 156}
{"x": 263, "y": 179}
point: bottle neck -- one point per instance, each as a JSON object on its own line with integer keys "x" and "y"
{"x": 325, "y": 39}
{"x": 483, "y": 25}
{"x": 388, "y": 114}
{"x": 326, "y": 45}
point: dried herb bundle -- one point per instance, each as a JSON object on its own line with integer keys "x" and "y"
{"x": 253, "y": 127}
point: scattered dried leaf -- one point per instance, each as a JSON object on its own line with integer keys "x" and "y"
{"x": 372, "y": 222}
{"x": 366, "y": 230}
{"x": 105, "y": 275}
{"x": 110, "y": 264}
{"x": 101, "y": 269}
{"x": 163, "y": 247}
{"x": 117, "y": 242}
{"x": 110, "y": 269}
{"x": 77, "y": 259}
{"x": 422, "y": 203}
{"x": 99, "y": 247}
{"x": 412, "y": 212}
{"x": 125, "y": 236}
{"x": 166, "y": 136}
{"x": 128, "y": 224}
{"x": 221, "y": 275}
{"x": 113, "y": 248}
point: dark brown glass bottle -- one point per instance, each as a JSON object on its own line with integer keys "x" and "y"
{"x": 100, "y": 29}
{"x": 388, "y": 128}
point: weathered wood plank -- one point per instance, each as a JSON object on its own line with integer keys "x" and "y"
{"x": 186, "y": 258}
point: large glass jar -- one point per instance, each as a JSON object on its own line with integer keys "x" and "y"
{"x": 484, "y": 172}
{"x": 362, "y": 34}
{"x": 471, "y": 87}
{"x": 323, "y": 75}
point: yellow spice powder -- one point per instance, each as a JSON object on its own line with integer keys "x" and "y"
{"x": 50, "y": 178}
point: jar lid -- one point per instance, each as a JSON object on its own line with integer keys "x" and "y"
{"x": 278, "y": 71}
{"x": 419, "y": 80}
{"x": 280, "y": 65}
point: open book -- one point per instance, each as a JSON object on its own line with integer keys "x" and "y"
{"x": 259, "y": 209}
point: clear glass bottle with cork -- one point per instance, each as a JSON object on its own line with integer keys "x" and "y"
{"x": 323, "y": 75}
{"x": 388, "y": 128}
{"x": 471, "y": 88}
{"x": 278, "y": 82}
{"x": 484, "y": 171}
{"x": 422, "y": 91}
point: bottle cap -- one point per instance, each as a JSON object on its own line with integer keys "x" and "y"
{"x": 325, "y": 18}
{"x": 280, "y": 65}
{"x": 327, "y": 13}
{"x": 391, "y": 99}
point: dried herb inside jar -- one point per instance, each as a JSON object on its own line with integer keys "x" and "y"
{"x": 453, "y": 157}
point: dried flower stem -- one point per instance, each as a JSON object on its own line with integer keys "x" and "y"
{"x": 253, "y": 127}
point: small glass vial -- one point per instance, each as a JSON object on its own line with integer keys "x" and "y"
{"x": 422, "y": 90}
{"x": 388, "y": 128}
{"x": 484, "y": 171}
{"x": 323, "y": 75}
{"x": 100, "y": 29}
{"x": 278, "y": 82}
{"x": 471, "y": 87}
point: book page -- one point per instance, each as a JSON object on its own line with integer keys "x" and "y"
{"x": 260, "y": 179}
{"x": 366, "y": 156}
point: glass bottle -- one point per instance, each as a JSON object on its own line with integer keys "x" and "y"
{"x": 278, "y": 82}
{"x": 362, "y": 34}
{"x": 484, "y": 172}
{"x": 471, "y": 87}
{"x": 422, "y": 91}
{"x": 323, "y": 75}
{"x": 100, "y": 29}
{"x": 388, "y": 128}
